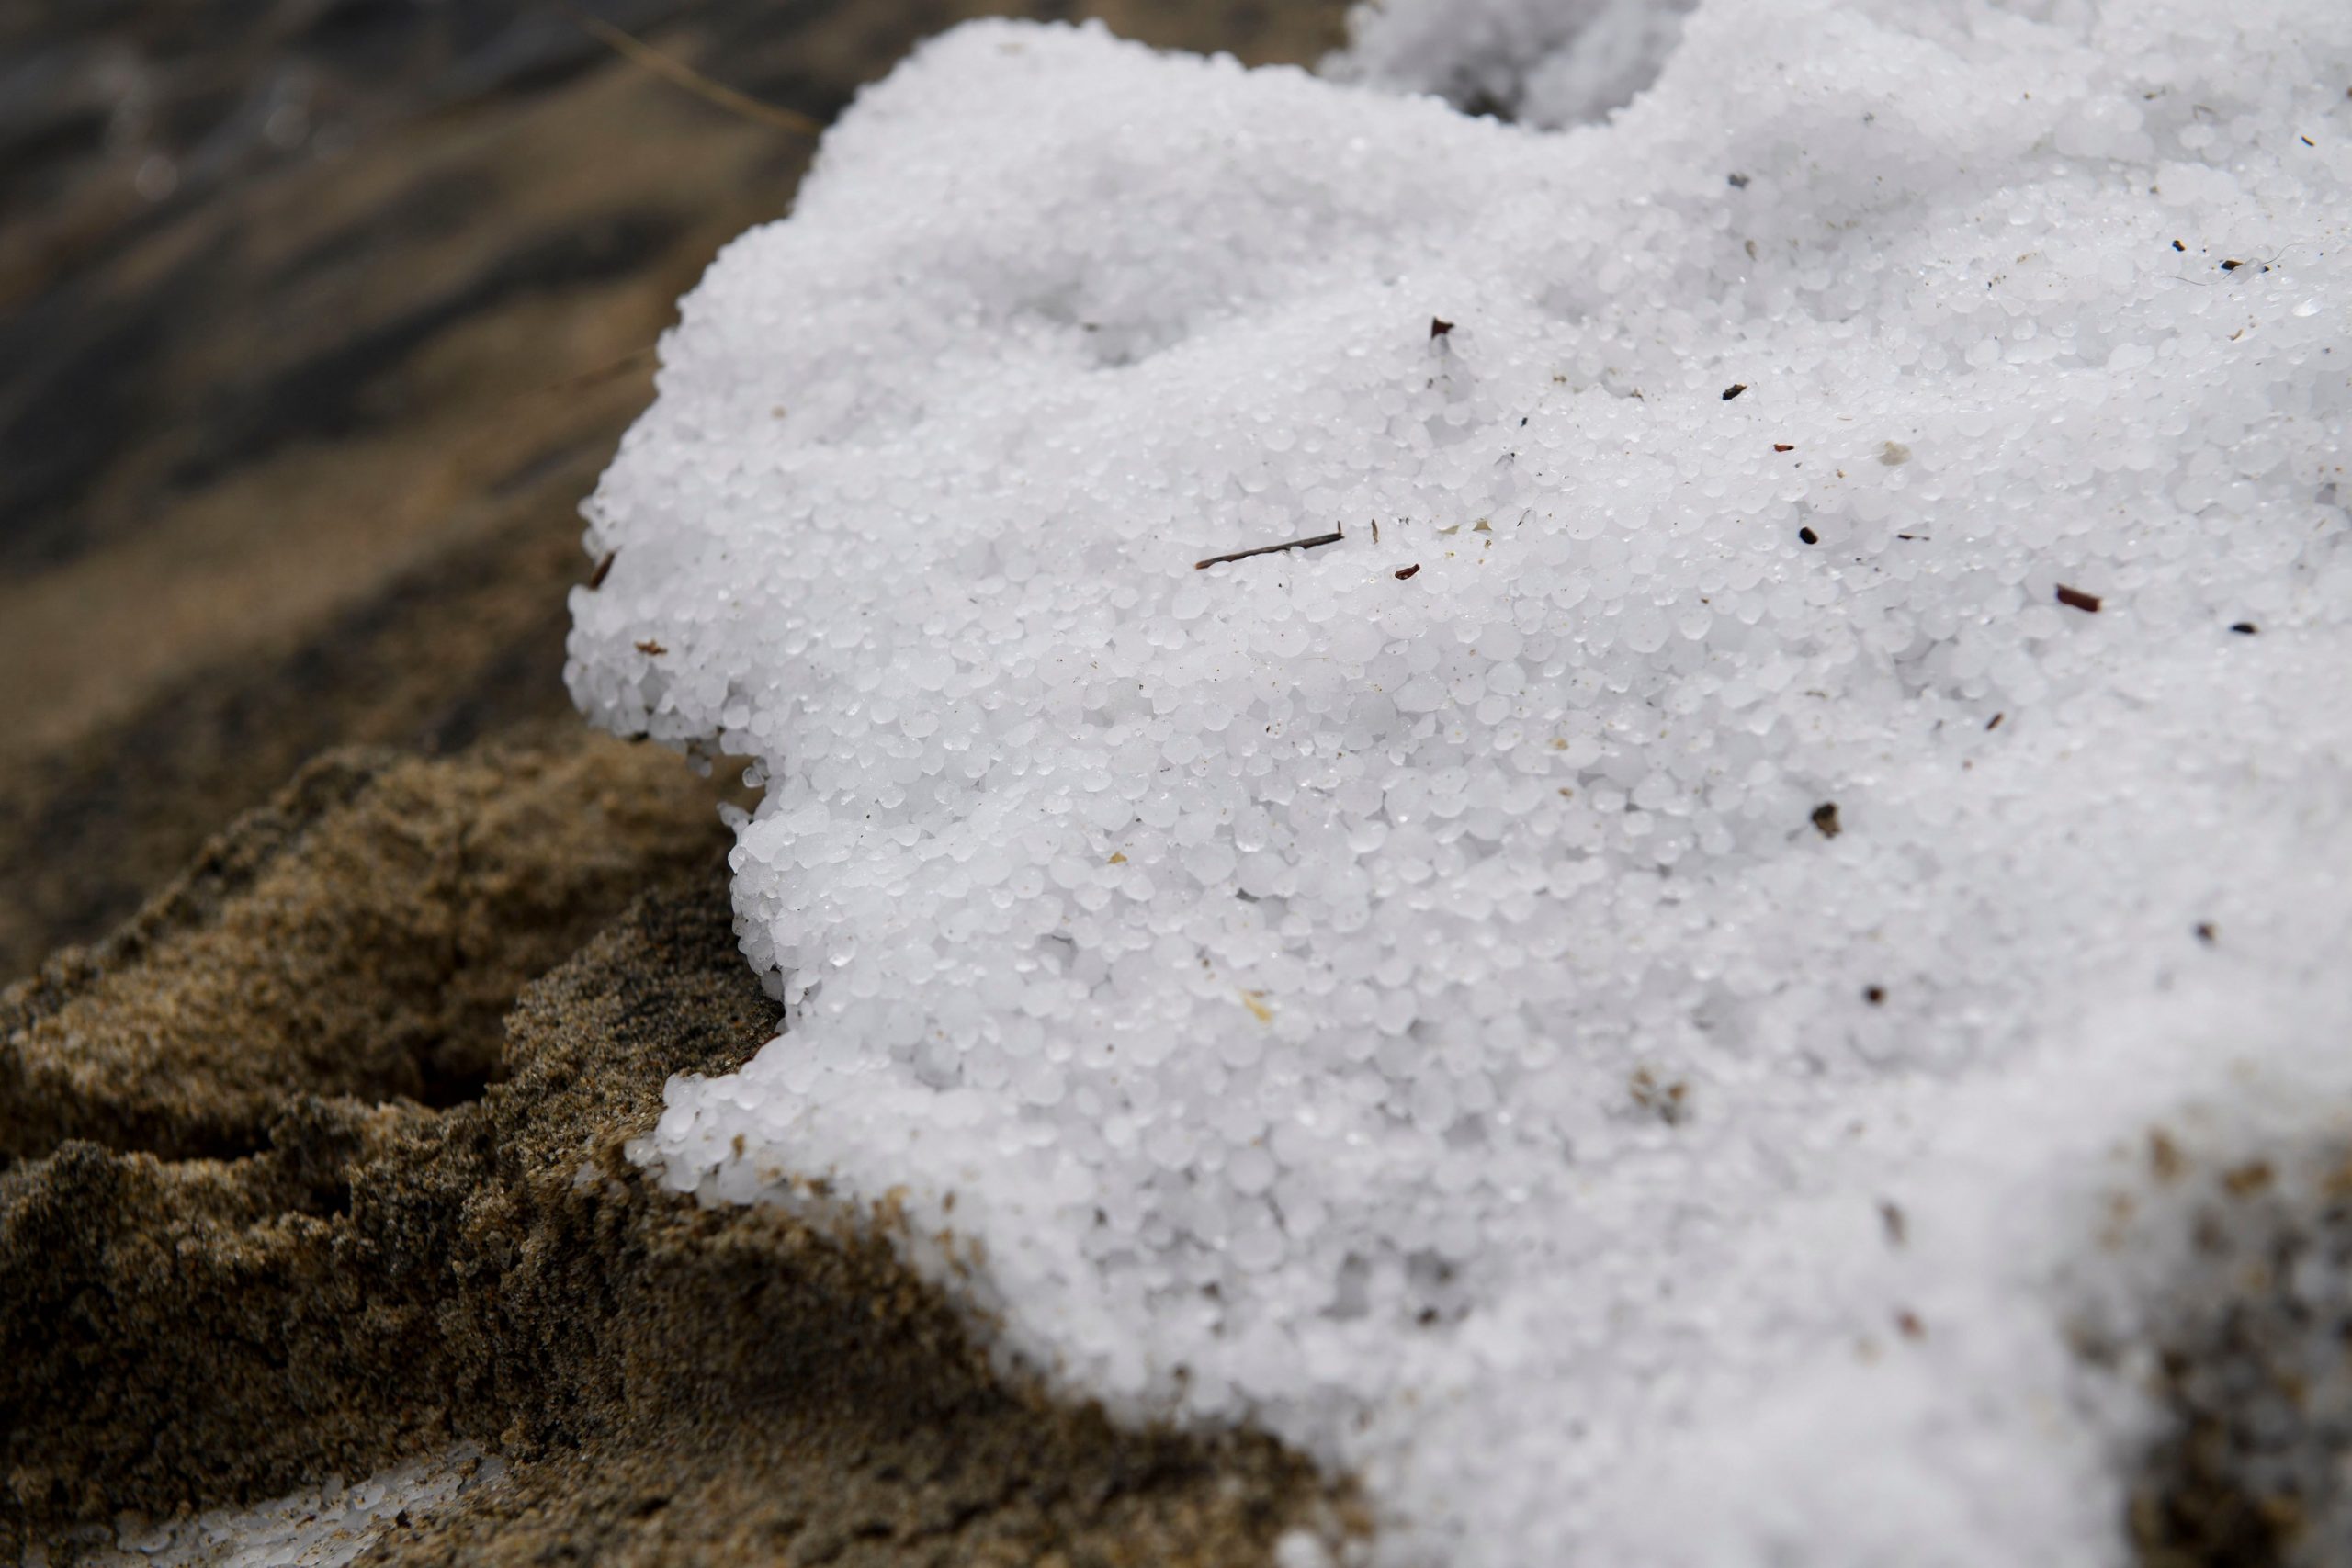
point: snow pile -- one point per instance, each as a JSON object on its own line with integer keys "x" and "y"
{"x": 1620, "y": 995}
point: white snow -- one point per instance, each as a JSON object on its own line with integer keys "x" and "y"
{"x": 1408, "y": 992}
{"x": 323, "y": 1527}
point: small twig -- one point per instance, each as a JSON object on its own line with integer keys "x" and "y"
{"x": 599, "y": 374}
{"x": 686, "y": 76}
{"x": 1272, "y": 549}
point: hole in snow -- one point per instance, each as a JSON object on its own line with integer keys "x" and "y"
{"x": 1547, "y": 66}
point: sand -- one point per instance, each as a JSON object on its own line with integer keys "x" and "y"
{"x": 308, "y": 1174}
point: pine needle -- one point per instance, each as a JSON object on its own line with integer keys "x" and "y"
{"x": 682, "y": 74}
{"x": 598, "y": 374}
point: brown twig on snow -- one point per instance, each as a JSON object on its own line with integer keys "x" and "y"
{"x": 1272, "y": 549}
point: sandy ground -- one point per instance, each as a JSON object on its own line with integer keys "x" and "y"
{"x": 307, "y": 1172}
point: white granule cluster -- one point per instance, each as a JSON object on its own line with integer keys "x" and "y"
{"x": 1617, "y": 997}
{"x": 325, "y": 1528}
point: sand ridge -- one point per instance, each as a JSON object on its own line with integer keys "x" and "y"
{"x": 378, "y": 1277}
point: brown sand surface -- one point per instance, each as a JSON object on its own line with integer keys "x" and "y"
{"x": 239, "y": 1251}
{"x": 2252, "y": 1361}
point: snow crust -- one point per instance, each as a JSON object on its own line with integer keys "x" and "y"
{"x": 1624, "y": 998}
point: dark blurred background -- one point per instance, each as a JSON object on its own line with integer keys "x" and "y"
{"x": 317, "y": 320}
